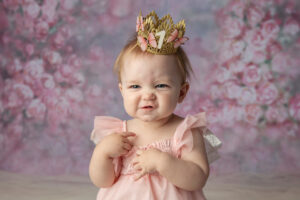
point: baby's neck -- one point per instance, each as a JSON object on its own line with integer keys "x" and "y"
{"x": 154, "y": 125}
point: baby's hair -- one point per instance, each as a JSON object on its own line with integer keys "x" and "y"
{"x": 132, "y": 48}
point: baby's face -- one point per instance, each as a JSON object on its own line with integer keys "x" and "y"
{"x": 151, "y": 86}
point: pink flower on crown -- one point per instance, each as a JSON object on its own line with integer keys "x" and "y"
{"x": 144, "y": 42}
{"x": 177, "y": 40}
{"x": 139, "y": 23}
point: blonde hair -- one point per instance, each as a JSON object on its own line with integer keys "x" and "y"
{"x": 132, "y": 48}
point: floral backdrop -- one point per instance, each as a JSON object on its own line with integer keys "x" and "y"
{"x": 56, "y": 61}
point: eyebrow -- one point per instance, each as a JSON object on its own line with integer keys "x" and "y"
{"x": 159, "y": 80}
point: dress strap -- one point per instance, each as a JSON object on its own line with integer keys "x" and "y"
{"x": 124, "y": 125}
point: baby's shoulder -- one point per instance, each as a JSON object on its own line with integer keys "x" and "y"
{"x": 177, "y": 120}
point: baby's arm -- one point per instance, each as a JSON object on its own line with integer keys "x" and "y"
{"x": 101, "y": 168}
{"x": 191, "y": 171}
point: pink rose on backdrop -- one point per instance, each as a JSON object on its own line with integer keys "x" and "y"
{"x": 248, "y": 96}
{"x": 294, "y": 107}
{"x": 44, "y": 83}
{"x": 232, "y": 90}
{"x": 255, "y": 39}
{"x": 252, "y": 75}
{"x": 270, "y": 29}
{"x": 236, "y": 66}
{"x": 267, "y": 93}
{"x": 232, "y": 27}
{"x": 36, "y": 109}
{"x": 259, "y": 87}
{"x": 252, "y": 113}
{"x": 291, "y": 27}
{"x": 222, "y": 74}
{"x": 276, "y": 114}
{"x": 255, "y": 15}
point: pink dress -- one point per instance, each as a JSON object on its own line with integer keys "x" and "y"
{"x": 153, "y": 186}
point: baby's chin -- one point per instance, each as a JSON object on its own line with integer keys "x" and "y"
{"x": 149, "y": 118}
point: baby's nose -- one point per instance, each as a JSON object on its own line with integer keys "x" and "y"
{"x": 149, "y": 95}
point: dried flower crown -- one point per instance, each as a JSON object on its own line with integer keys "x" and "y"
{"x": 159, "y": 36}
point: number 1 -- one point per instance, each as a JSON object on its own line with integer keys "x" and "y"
{"x": 161, "y": 35}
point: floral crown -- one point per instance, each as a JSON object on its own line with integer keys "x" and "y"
{"x": 159, "y": 36}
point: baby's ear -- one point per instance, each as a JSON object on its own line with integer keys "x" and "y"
{"x": 183, "y": 91}
{"x": 121, "y": 88}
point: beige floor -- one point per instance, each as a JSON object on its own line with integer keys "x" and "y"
{"x": 237, "y": 187}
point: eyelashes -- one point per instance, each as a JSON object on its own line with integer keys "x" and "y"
{"x": 162, "y": 86}
{"x": 156, "y": 86}
{"x": 134, "y": 86}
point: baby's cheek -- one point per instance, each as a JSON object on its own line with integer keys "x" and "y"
{"x": 129, "y": 105}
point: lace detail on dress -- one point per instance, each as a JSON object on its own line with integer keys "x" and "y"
{"x": 164, "y": 145}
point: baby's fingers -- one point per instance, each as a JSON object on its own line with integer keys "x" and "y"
{"x": 139, "y": 175}
{"x": 127, "y": 146}
{"x": 134, "y": 161}
{"x": 128, "y": 134}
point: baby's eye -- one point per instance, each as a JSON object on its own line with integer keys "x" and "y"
{"x": 134, "y": 86}
{"x": 161, "y": 86}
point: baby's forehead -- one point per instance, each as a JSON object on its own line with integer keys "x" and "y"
{"x": 146, "y": 66}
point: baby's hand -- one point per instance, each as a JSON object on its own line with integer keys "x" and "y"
{"x": 117, "y": 144}
{"x": 145, "y": 161}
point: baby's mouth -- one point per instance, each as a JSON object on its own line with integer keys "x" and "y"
{"x": 147, "y": 107}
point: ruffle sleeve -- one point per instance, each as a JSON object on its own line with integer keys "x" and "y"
{"x": 183, "y": 137}
{"x": 103, "y": 126}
